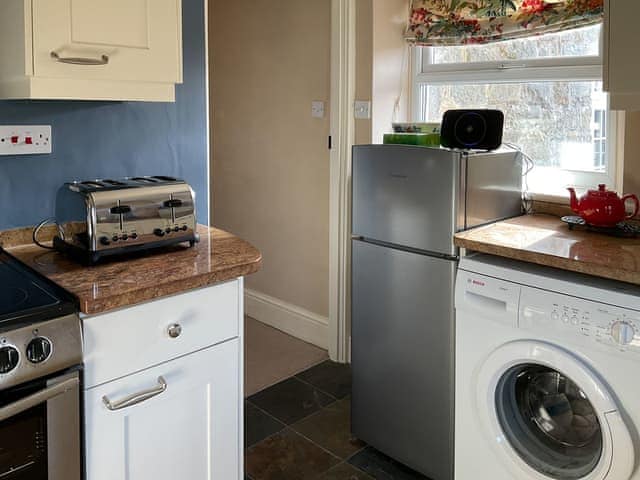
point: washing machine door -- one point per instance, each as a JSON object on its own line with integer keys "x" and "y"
{"x": 548, "y": 416}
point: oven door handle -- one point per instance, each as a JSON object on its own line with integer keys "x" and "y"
{"x": 37, "y": 398}
{"x": 136, "y": 398}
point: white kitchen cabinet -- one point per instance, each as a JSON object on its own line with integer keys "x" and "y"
{"x": 91, "y": 49}
{"x": 163, "y": 386}
{"x": 189, "y": 431}
{"x": 621, "y": 39}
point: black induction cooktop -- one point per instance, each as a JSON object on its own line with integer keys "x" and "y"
{"x": 26, "y": 296}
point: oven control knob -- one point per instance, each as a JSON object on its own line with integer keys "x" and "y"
{"x": 38, "y": 350}
{"x": 9, "y": 358}
{"x": 105, "y": 241}
{"x": 622, "y": 333}
{"x": 159, "y": 232}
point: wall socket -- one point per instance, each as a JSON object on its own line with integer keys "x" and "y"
{"x": 25, "y": 139}
{"x": 317, "y": 109}
{"x": 362, "y": 109}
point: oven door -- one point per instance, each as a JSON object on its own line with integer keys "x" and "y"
{"x": 40, "y": 430}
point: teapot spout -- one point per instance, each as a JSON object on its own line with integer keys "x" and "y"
{"x": 574, "y": 199}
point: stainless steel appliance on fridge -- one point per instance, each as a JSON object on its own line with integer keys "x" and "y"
{"x": 408, "y": 202}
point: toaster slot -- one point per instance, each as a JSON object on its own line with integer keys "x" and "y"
{"x": 114, "y": 183}
{"x": 145, "y": 180}
{"x": 164, "y": 178}
{"x": 97, "y": 184}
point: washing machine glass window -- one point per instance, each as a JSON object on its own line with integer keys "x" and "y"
{"x": 549, "y": 421}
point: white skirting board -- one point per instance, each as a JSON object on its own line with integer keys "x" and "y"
{"x": 287, "y": 317}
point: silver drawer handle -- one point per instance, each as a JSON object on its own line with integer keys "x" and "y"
{"x": 136, "y": 398}
{"x": 174, "y": 330}
{"x": 103, "y": 60}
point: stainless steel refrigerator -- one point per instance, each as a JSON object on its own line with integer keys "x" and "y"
{"x": 407, "y": 204}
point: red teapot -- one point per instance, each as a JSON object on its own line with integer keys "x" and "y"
{"x": 602, "y": 207}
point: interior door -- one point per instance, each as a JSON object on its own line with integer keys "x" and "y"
{"x": 191, "y": 430}
{"x": 134, "y": 40}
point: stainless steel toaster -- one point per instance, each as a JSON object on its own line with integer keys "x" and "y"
{"x": 99, "y": 218}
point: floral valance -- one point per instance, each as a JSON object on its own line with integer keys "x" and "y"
{"x": 460, "y": 22}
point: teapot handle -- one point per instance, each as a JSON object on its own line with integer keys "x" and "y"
{"x": 637, "y": 205}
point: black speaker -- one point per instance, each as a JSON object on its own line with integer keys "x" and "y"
{"x": 473, "y": 129}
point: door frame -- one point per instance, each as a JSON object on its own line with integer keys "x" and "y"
{"x": 343, "y": 68}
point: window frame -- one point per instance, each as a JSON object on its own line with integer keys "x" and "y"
{"x": 579, "y": 68}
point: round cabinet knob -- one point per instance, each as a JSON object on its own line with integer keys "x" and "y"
{"x": 174, "y": 330}
{"x": 38, "y": 350}
{"x": 9, "y": 358}
{"x": 623, "y": 333}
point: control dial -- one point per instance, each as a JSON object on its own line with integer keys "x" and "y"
{"x": 622, "y": 333}
{"x": 9, "y": 358}
{"x": 38, "y": 350}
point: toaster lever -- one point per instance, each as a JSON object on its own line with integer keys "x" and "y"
{"x": 120, "y": 209}
{"x": 173, "y": 203}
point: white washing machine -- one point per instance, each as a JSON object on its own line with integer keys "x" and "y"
{"x": 547, "y": 374}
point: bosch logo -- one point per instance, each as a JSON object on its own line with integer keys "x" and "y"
{"x": 478, "y": 282}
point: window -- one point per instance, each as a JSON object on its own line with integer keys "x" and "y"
{"x": 550, "y": 89}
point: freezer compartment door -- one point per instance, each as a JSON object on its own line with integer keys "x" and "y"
{"x": 406, "y": 196}
{"x": 402, "y": 356}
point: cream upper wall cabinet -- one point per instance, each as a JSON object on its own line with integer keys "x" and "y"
{"x": 91, "y": 49}
{"x": 621, "y": 40}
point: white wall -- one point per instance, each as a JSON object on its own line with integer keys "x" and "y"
{"x": 270, "y": 175}
{"x": 390, "y": 65}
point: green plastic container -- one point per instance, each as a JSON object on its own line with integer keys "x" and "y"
{"x": 420, "y": 139}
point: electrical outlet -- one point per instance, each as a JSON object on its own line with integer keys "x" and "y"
{"x": 25, "y": 139}
{"x": 362, "y": 109}
{"x": 317, "y": 109}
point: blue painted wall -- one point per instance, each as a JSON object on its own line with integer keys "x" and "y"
{"x": 112, "y": 139}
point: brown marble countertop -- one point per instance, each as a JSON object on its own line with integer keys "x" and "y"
{"x": 546, "y": 240}
{"x": 219, "y": 256}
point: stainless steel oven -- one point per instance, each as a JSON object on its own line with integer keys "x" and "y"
{"x": 40, "y": 378}
{"x": 40, "y": 429}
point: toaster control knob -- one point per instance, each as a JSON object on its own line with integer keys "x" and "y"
{"x": 38, "y": 350}
{"x": 9, "y": 358}
{"x": 159, "y": 232}
{"x": 105, "y": 241}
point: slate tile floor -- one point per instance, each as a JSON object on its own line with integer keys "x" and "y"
{"x": 299, "y": 429}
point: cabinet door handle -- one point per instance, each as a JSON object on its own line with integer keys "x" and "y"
{"x": 103, "y": 60}
{"x": 136, "y": 398}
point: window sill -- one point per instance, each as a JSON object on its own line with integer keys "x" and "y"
{"x": 557, "y": 198}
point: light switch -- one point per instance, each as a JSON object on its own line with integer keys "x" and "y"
{"x": 317, "y": 109}
{"x": 25, "y": 139}
{"x": 362, "y": 109}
